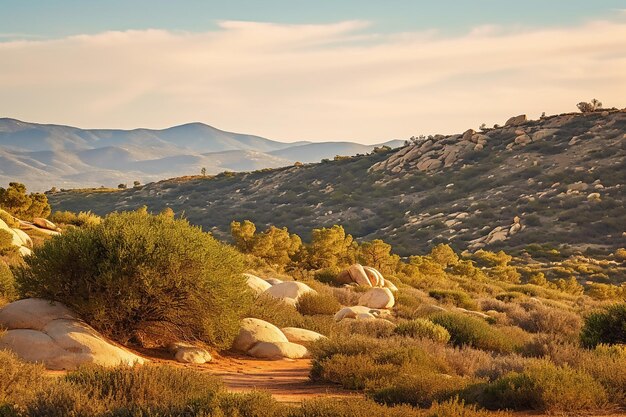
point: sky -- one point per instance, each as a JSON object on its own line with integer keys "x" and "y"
{"x": 360, "y": 70}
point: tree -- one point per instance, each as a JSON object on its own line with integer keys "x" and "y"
{"x": 608, "y": 326}
{"x": 122, "y": 186}
{"x": 136, "y": 184}
{"x": 444, "y": 255}
{"x": 330, "y": 247}
{"x": 243, "y": 234}
{"x": 378, "y": 255}
{"x": 275, "y": 246}
{"x": 203, "y": 172}
{"x": 25, "y": 206}
{"x": 585, "y": 107}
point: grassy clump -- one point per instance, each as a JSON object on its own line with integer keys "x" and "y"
{"x": 418, "y": 328}
{"x": 471, "y": 331}
{"x": 144, "y": 279}
{"x": 311, "y": 304}
{"x": 457, "y": 298}
{"x": 7, "y": 282}
{"x": 545, "y": 387}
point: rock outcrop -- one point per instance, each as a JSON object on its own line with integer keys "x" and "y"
{"x": 301, "y": 336}
{"x": 50, "y": 333}
{"x": 256, "y": 284}
{"x": 263, "y": 340}
{"x": 289, "y": 291}
{"x": 360, "y": 313}
{"x": 364, "y": 276}
{"x": 379, "y": 298}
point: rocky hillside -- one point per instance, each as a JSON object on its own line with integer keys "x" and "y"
{"x": 558, "y": 181}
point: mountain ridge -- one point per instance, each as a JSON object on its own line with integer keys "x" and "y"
{"x": 47, "y": 155}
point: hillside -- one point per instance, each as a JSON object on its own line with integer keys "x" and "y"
{"x": 557, "y": 181}
{"x": 44, "y": 156}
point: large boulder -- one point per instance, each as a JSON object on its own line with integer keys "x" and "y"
{"x": 256, "y": 284}
{"x": 358, "y": 275}
{"x": 375, "y": 277}
{"x": 40, "y": 331}
{"x": 278, "y": 350}
{"x": 289, "y": 291}
{"x": 379, "y": 298}
{"x": 516, "y": 120}
{"x": 273, "y": 281}
{"x": 26, "y": 240}
{"x": 16, "y": 240}
{"x": 391, "y": 286}
{"x": 301, "y": 336}
{"x": 44, "y": 223}
{"x": 254, "y": 331}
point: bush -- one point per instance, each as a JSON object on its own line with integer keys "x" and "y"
{"x": 8, "y": 219}
{"x": 265, "y": 307}
{"x": 373, "y": 328}
{"x": 142, "y": 278}
{"x": 317, "y": 303}
{"x": 7, "y": 282}
{"x": 328, "y": 275}
{"x": 457, "y": 298}
{"x": 471, "y": 331}
{"x": 19, "y": 381}
{"x": 423, "y": 328}
{"x": 6, "y": 243}
{"x": 608, "y": 327}
{"x": 421, "y": 389}
{"x": 544, "y": 387}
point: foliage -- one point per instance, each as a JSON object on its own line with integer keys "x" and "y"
{"x": 8, "y": 219}
{"x": 24, "y": 206}
{"x": 330, "y": 247}
{"x": 377, "y": 254}
{"x": 608, "y": 327}
{"x": 457, "y": 298}
{"x": 444, "y": 255}
{"x": 143, "y": 278}
{"x": 472, "y": 331}
{"x": 545, "y": 387}
{"x": 317, "y": 303}
{"x": 7, "y": 282}
{"x": 81, "y": 219}
{"x": 275, "y": 246}
{"x": 418, "y": 328}
{"x": 586, "y": 107}
{"x": 6, "y": 243}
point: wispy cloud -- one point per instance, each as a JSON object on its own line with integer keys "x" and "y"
{"x": 332, "y": 81}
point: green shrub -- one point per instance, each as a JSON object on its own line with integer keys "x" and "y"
{"x": 420, "y": 390}
{"x": 265, "y": 307}
{"x": 373, "y": 328}
{"x": 544, "y": 387}
{"x": 419, "y": 328}
{"x": 7, "y": 282}
{"x": 328, "y": 275}
{"x": 143, "y": 278}
{"x": 457, "y": 298}
{"x": 474, "y": 332}
{"x": 608, "y": 327}
{"x": 6, "y": 243}
{"x": 317, "y": 303}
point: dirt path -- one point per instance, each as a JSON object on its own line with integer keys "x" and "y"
{"x": 287, "y": 380}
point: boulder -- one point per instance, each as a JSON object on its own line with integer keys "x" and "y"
{"x": 301, "y": 336}
{"x": 379, "y": 298}
{"x": 254, "y": 331}
{"x": 355, "y": 311}
{"x": 44, "y": 223}
{"x": 273, "y": 281}
{"x": 16, "y": 240}
{"x": 523, "y": 140}
{"x": 544, "y": 133}
{"x": 24, "y": 251}
{"x": 39, "y": 331}
{"x": 26, "y": 240}
{"x": 278, "y": 350}
{"x": 289, "y": 291}
{"x": 391, "y": 286}
{"x": 344, "y": 277}
{"x": 256, "y": 284}
{"x": 516, "y": 120}
{"x": 358, "y": 275}
{"x": 467, "y": 135}
{"x": 186, "y": 353}
{"x": 375, "y": 277}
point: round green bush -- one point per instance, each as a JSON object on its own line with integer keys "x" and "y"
{"x": 143, "y": 279}
{"x": 423, "y": 328}
{"x": 317, "y": 303}
{"x": 474, "y": 332}
{"x": 607, "y": 327}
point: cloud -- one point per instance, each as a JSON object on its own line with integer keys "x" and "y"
{"x": 327, "y": 81}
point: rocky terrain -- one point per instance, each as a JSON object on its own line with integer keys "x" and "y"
{"x": 555, "y": 181}
{"x": 43, "y": 155}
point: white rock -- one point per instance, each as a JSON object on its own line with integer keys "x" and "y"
{"x": 301, "y": 336}
{"x": 379, "y": 298}
{"x": 278, "y": 350}
{"x": 273, "y": 281}
{"x": 256, "y": 284}
{"x": 354, "y": 311}
{"x": 375, "y": 277}
{"x": 358, "y": 275}
{"x": 44, "y": 223}
{"x": 185, "y": 353}
{"x": 26, "y": 240}
{"x": 289, "y": 290}
{"x": 253, "y": 331}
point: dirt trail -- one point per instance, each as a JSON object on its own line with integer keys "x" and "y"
{"x": 287, "y": 380}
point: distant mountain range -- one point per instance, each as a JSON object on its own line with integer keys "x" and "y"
{"x": 43, "y": 155}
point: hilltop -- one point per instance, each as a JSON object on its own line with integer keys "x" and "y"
{"x": 46, "y": 155}
{"x": 556, "y": 182}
